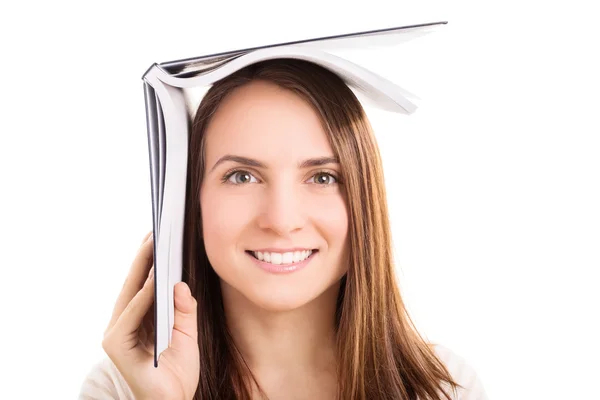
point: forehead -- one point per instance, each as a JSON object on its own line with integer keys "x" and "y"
{"x": 261, "y": 119}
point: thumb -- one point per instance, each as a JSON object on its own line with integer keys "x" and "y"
{"x": 186, "y": 319}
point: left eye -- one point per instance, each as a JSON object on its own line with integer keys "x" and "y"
{"x": 323, "y": 178}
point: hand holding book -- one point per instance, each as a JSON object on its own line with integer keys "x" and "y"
{"x": 129, "y": 337}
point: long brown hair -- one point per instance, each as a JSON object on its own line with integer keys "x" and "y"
{"x": 380, "y": 353}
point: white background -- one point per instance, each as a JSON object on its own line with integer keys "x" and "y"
{"x": 494, "y": 183}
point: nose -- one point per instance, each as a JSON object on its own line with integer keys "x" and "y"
{"x": 283, "y": 212}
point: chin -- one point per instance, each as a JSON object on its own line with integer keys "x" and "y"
{"x": 277, "y": 296}
{"x": 280, "y": 299}
{"x": 253, "y": 288}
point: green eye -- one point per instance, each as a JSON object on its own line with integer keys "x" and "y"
{"x": 325, "y": 178}
{"x": 239, "y": 177}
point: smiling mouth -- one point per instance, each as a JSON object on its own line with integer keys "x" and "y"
{"x": 289, "y": 258}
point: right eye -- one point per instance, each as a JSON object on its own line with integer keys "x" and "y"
{"x": 239, "y": 177}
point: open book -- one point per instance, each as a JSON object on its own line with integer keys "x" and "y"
{"x": 169, "y": 90}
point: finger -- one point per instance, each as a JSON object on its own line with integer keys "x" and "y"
{"x": 124, "y": 333}
{"x": 186, "y": 319}
{"x": 146, "y": 237}
{"x": 146, "y": 331}
{"x": 135, "y": 278}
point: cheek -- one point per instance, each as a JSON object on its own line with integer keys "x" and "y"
{"x": 223, "y": 220}
{"x": 332, "y": 221}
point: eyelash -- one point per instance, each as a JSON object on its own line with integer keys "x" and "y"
{"x": 229, "y": 174}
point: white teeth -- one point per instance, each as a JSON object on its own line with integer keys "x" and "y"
{"x": 297, "y": 256}
{"x": 287, "y": 258}
{"x": 282, "y": 258}
{"x": 276, "y": 258}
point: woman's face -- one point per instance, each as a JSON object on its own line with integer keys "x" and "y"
{"x": 265, "y": 195}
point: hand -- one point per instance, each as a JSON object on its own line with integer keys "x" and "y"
{"x": 129, "y": 337}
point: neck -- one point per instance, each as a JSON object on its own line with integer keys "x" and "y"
{"x": 291, "y": 342}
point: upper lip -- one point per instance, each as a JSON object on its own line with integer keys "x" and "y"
{"x": 276, "y": 250}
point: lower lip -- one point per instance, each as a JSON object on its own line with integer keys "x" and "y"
{"x": 282, "y": 268}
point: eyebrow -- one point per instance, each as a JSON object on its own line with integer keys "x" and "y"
{"x": 311, "y": 162}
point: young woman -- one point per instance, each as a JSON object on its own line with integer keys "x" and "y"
{"x": 289, "y": 287}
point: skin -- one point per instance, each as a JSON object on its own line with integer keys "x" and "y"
{"x": 130, "y": 347}
{"x": 282, "y": 323}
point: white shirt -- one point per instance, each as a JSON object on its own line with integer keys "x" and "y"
{"x": 105, "y": 381}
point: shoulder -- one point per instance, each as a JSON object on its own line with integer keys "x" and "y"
{"x": 104, "y": 381}
{"x": 462, "y": 373}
